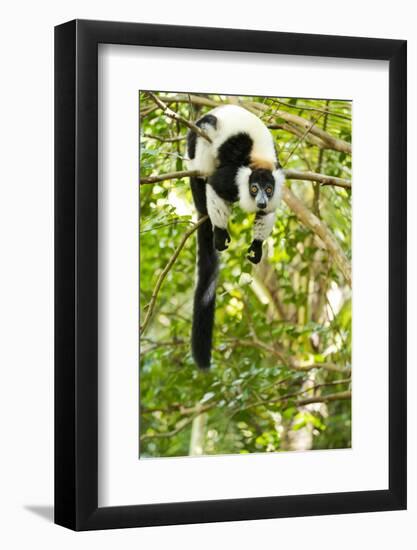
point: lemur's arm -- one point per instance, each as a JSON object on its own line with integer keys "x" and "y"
{"x": 264, "y": 224}
{"x": 219, "y": 211}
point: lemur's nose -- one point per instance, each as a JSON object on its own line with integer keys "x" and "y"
{"x": 261, "y": 205}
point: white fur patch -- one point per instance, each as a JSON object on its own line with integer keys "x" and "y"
{"x": 209, "y": 293}
{"x": 232, "y": 120}
{"x": 217, "y": 208}
{"x": 246, "y": 202}
{"x": 263, "y": 226}
{"x": 204, "y": 160}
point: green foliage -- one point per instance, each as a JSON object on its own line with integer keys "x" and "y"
{"x": 282, "y": 330}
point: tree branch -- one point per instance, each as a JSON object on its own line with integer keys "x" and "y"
{"x": 256, "y": 343}
{"x": 164, "y": 272}
{"x": 321, "y": 178}
{"x": 198, "y": 409}
{"x": 170, "y": 176}
{"x": 289, "y": 174}
{"x": 331, "y": 367}
{"x": 183, "y": 423}
{"x": 325, "y": 398}
{"x": 331, "y": 142}
{"x": 302, "y": 107}
{"x": 165, "y": 140}
{"x": 297, "y": 131}
{"x": 301, "y": 139}
{"x": 319, "y": 228}
{"x": 300, "y": 402}
{"x": 175, "y": 116}
{"x": 301, "y": 211}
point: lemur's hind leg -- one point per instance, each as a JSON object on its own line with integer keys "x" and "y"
{"x": 219, "y": 212}
{"x": 264, "y": 224}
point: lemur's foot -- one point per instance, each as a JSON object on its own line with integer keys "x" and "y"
{"x": 221, "y": 238}
{"x": 255, "y": 251}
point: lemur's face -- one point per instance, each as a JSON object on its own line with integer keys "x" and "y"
{"x": 261, "y": 187}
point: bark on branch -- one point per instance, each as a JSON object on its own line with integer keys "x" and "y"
{"x": 329, "y": 140}
{"x": 300, "y": 210}
{"x": 169, "y": 176}
{"x": 166, "y": 140}
{"x": 323, "y": 179}
{"x": 332, "y": 142}
{"x": 256, "y": 343}
{"x": 342, "y": 395}
{"x": 321, "y": 230}
{"x": 175, "y": 116}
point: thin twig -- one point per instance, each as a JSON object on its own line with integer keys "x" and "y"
{"x": 175, "y": 222}
{"x": 331, "y": 141}
{"x": 297, "y": 131}
{"x": 164, "y": 272}
{"x": 170, "y": 176}
{"x": 183, "y": 423}
{"x": 175, "y": 116}
{"x": 165, "y": 140}
{"x": 299, "y": 402}
{"x": 301, "y": 139}
{"x": 302, "y": 107}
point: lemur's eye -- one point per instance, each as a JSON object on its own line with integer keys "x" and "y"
{"x": 269, "y": 191}
{"x": 253, "y": 189}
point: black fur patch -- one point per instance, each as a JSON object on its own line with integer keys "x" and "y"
{"x": 255, "y": 251}
{"x": 221, "y": 238}
{"x": 198, "y": 189}
{"x": 204, "y": 296}
{"x": 207, "y": 119}
{"x": 223, "y": 182}
{"x": 191, "y": 143}
{"x": 236, "y": 150}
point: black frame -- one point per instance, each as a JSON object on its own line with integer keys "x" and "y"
{"x": 76, "y": 271}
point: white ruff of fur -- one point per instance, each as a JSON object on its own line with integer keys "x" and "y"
{"x": 263, "y": 226}
{"x": 246, "y": 202}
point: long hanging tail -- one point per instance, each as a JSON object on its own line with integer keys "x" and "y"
{"x": 205, "y": 290}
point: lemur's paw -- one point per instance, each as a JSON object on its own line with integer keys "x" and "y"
{"x": 255, "y": 251}
{"x": 221, "y": 238}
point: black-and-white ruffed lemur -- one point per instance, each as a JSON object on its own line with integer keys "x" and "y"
{"x": 239, "y": 165}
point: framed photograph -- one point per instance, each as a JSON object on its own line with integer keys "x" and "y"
{"x": 230, "y": 254}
